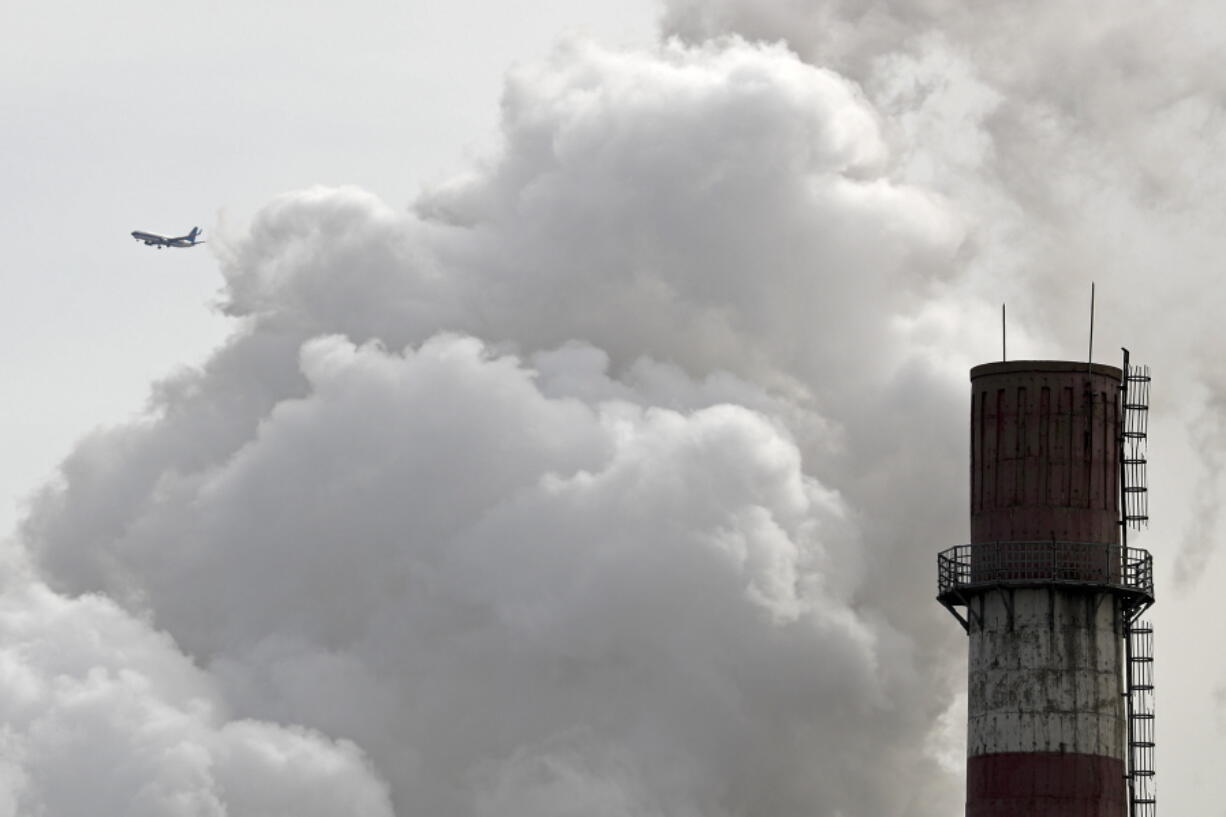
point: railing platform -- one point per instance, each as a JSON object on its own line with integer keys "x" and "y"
{"x": 967, "y": 570}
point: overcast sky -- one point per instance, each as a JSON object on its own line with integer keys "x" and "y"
{"x": 568, "y": 406}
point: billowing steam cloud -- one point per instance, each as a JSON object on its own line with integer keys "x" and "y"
{"x": 578, "y": 565}
{"x": 104, "y": 715}
{"x": 1078, "y": 144}
{"x": 606, "y": 480}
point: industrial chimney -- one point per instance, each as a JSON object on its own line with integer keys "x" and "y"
{"x": 1060, "y": 681}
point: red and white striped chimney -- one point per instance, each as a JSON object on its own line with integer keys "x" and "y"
{"x": 1044, "y": 591}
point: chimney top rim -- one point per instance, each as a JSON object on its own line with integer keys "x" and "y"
{"x": 1044, "y": 367}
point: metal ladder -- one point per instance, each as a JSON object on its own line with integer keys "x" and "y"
{"x": 1134, "y": 397}
{"x": 1139, "y": 655}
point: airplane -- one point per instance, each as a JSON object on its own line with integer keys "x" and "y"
{"x": 159, "y": 241}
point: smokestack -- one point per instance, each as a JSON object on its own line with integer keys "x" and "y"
{"x": 1060, "y": 716}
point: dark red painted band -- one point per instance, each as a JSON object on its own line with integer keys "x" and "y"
{"x": 1045, "y": 784}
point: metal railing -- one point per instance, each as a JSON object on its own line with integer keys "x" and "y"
{"x": 969, "y": 567}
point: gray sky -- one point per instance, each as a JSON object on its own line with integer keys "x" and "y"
{"x": 157, "y": 117}
{"x": 570, "y": 402}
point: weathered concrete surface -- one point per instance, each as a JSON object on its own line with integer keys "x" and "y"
{"x": 1047, "y": 677}
{"x": 1046, "y": 720}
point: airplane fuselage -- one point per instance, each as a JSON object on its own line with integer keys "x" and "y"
{"x": 159, "y": 241}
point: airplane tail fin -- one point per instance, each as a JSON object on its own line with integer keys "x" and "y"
{"x": 192, "y": 235}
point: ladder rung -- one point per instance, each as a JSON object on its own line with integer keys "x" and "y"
{"x": 1139, "y": 685}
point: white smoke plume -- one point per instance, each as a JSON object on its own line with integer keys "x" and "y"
{"x": 511, "y": 491}
{"x": 607, "y": 479}
{"x": 104, "y": 715}
{"x": 1079, "y": 144}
